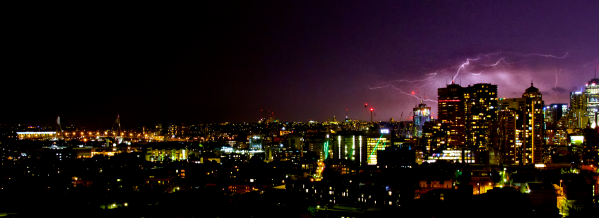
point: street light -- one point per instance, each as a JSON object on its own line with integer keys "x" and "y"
{"x": 561, "y": 191}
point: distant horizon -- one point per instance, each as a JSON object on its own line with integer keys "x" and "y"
{"x": 93, "y": 120}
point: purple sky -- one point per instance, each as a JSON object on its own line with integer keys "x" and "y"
{"x": 301, "y": 59}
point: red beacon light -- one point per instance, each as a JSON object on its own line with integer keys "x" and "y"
{"x": 371, "y": 109}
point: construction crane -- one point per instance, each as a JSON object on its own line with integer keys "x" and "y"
{"x": 398, "y": 130}
{"x": 403, "y": 130}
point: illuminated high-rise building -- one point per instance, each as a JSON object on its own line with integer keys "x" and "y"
{"x": 584, "y": 106}
{"x": 578, "y": 110}
{"x": 433, "y": 136}
{"x": 509, "y": 137}
{"x": 526, "y": 140}
{"x": 422, "y": 114}
{"x": 359, "y": 146}
{"x": 480, "y": 112}
{"x": 347, "y": 145}
{"x": 466, "y": 113}
{"x": 592, "y": 96}
{"x": 533, "y": 117}
{"x": 553, "y": 113}
{"x": 451, "y": 114}
{"x": 376, "y": 139}
{"x": 553, "y": 127}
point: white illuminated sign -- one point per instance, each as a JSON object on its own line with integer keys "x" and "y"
{"x": 32, "y": 133}
{"x": 577, "y": 140}
{"x": 384, "y": 131}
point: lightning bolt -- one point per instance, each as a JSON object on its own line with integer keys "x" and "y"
{"x": 402, "y": 92}
{"x": 555, "y": 85}
{"x": 502, "y": 59}
{"x": 497, "y": 63}
{"x": 482, "y": 60}
{"x": 543, "y": 55}
{"x": 528, "y": 54}
{"x": 463, "y": 66}
{"x": 592, "y": 62}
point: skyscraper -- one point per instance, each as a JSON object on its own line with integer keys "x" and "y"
{"x": 451, "y": 114}
{"x": 526, "y": 140}
{"x": 422, "y": 114}
{"x": 509, "y": 140}
{"x": 533, "y": 115}
{"x": 467, "y": 113}
{"x": 376, "y": 139}
{"x": 553, "y": 113}
{"x": 480, "y": 113}
{"x": 592, "y": 95}
{"x": 578, "y": 110}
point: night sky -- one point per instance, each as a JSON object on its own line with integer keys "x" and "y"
{"x": 301, "y": 59}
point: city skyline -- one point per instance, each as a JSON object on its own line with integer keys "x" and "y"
{"x": 304, "y": 109}
{"x": 263, "y": 114}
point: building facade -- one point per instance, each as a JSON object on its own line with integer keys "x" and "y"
{"x": 480, "y": 112}
{"x": 592, "y": 97}
{"x": 348, "y": 145}
{"x": 451, "y": 114}
{"x": 422, "y": 114}
{"x": 466, "y": 113}
{"x": 526, "y": 140}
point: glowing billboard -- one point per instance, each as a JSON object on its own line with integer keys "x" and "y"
{"x": 577, "y": 140}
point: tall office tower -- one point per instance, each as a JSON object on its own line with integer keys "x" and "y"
{"x": 377, "y": 139}
{"x": 509, "y": 140}
{"x": 434, "y": 136}
{"x": 533, "y": 117}
{"x": 578, "y": 110}
{"x": 422, "y": 114}
{"x": 348, "y": 145}
{"x": 466, "y": 113}
{"x": 529, "y": 124}
{"x": 451, "y": 114}
{"x": 553, "y": 126}
{"x": 553, "y": 113}
{"x": 592, "y": 93}
{"x": 480, "y": 113}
